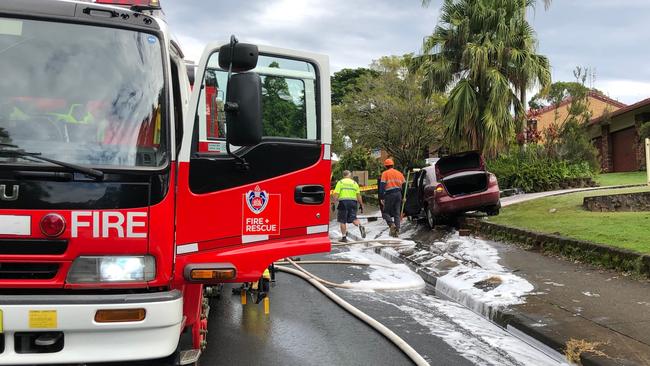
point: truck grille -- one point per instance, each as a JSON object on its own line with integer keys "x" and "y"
{"x": 28, "y": 271}
{"x": 33, "y": 247}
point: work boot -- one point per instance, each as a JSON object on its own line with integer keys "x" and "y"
{"x": 393, "y": 231}
{"x": 363, "y": 231}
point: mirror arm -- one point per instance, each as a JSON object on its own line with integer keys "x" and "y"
{"x": 241, "y": 162}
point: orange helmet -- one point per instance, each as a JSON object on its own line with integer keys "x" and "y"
{"x": 389, "y": 162}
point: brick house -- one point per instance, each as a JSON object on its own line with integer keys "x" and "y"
{"x": 616, "y": 136}
{"x": 541, "y": 119}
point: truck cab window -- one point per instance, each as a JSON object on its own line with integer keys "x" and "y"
{"x": 178, "y": 104}
{"x": 289, "y": 106}
{"x": 82, "y": 94}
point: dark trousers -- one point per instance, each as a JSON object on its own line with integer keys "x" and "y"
{"x": 392, "y": 207}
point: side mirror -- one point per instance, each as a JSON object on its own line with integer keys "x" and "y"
{"x": 244, "y": 110}
{"x": 242, "y": 58}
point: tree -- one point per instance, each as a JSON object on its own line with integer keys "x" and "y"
{"x": 390, "y": 113}
{"x": 567, "y": 139}
{"x": 576, "y": 92}
{"x": 357, "y": 158}
{"x": 523, "y": 84}
{"x": 345, "y": 82}
{"x": 282, "y": 115}
{"x": 482, "y": 52}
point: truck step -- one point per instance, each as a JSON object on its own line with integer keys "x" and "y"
{"x": 189, "y": 357}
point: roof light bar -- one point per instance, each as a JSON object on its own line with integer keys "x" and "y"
{"x": 149, "y": 4}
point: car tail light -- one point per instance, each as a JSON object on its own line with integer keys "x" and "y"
{"x": 52, "y": 225}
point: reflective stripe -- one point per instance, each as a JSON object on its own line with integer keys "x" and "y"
{"x": 317, "y": 229}
{"x": 245, "y": 239}
{"x": 187, "y": 248}
{"x": 392, "y": 179}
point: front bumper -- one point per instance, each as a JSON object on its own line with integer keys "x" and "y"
{"x": 88, "y": 341}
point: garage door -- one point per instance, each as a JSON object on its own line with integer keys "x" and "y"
{"x": 623, "y": 154}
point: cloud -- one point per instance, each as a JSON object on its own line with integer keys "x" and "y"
{"x": 627, "y": 91}
{"x": 351, "y": 33}
{"x": 608, "y": 35}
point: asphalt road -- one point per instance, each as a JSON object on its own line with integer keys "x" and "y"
{"x": 305, "y": 328}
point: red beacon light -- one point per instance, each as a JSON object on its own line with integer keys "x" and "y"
{"x": 52, "y": 225}
{"x": 148, "y": 4}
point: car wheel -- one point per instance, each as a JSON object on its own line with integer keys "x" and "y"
{"x": 431, "y": 220}
{"x": 492, "y": 211}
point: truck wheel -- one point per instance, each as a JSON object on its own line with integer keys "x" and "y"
{"x": 431, "y": 219}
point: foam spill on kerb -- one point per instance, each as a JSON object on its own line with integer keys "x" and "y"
{"x": 473, "y": 337}
{"x": 481, "y": 262}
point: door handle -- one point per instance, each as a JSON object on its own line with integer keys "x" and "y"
{"x": 309, "y": 194}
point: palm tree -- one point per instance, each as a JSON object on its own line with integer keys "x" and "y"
{"x": 482, "y": 52}
{"x": 522, "y": 86}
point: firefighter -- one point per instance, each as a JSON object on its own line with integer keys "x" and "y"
{"x": 390, "y": 196}
{"x": 348, "y": 196}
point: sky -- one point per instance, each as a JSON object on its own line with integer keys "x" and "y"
{"x": 608, "y": 36}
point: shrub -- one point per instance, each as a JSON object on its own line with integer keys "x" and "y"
{"x": 644, "y": 131}
{"x": 357, "y": 158}
{"x": 533, "y": 170}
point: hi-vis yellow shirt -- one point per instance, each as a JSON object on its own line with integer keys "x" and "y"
{"x": 347, "y": 189}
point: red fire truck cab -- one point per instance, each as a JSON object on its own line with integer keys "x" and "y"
{"x": 124, "y": 191}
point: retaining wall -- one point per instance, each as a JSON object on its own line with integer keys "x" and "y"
{"x": 618, "y": 202}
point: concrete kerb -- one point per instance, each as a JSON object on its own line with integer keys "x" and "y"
{"x": 515, "y": 199}
{"x": 597, "y": 254}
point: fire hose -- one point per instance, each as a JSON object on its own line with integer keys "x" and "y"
{"x": 382, "y": 329}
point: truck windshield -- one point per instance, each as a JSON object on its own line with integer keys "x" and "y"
{"x": 81, "y": 94}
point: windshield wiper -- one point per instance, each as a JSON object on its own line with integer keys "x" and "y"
{"x": 97, "y": 174}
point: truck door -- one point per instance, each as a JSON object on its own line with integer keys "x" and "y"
{"x": 278, "y": 204}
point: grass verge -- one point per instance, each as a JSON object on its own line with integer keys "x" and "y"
{"x": 564, "y": 215}
{"x": 619, "y": 179}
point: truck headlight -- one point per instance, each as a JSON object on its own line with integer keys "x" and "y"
{"x": 112, "y": 269}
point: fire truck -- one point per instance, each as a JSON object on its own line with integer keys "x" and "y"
{"x": 126, "y": 192}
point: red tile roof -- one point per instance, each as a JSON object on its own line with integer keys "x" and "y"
{"x": 565, "y": 101}
{"x": 618, "y": 112}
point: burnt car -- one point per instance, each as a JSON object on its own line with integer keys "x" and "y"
{"x": 450, "y": 186}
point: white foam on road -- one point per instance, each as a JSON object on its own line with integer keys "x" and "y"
{"x": 480, "y": 262}
{"x": 476, "y": 260}
{"x": 472, "y": 336}
{"x": 388, "y": 277}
